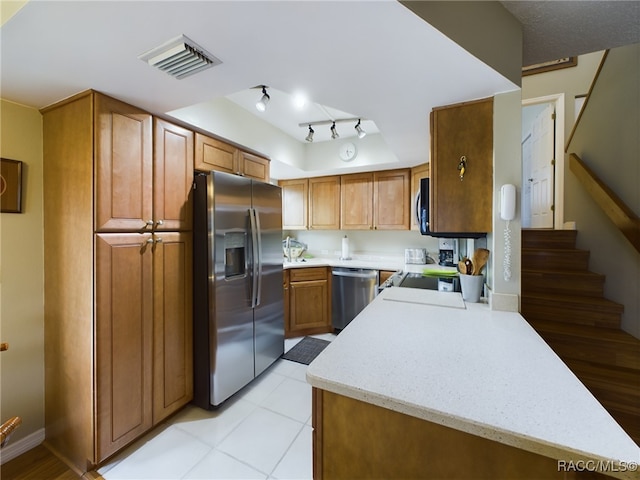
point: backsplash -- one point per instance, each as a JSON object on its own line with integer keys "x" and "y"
{"x": 328, "y": 243}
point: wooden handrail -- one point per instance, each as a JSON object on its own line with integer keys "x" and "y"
{"x": 622, "y": 216}
{"x": 586, "y": 102}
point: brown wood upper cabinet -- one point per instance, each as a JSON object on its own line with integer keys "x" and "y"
{"x": 391, "y": 205}
{"x": 213, "y": 154}
{"x": 375, "y": 201}
{"x": 124, "y": 166}
{"x": 324, "y": 203}
{"x": 172, "y": 176}
{"x": 356, "y": 201}
{"x": 295, "y": 201}
{"x": 143, "y": 170}
{"x": 462, "y": 137}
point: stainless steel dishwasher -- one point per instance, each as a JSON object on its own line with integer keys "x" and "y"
{"x": 352, "y": 289}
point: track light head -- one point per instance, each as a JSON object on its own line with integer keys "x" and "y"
{"x": 310, "y": 135}
{"x": 361, "y": 132}
{"x": 262, "y": 103}
{"x": 334, "y": 132}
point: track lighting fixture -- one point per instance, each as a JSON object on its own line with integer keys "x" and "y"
{"x": 262, "y": 104}
{"x": 334, "y": 132}
{"x": 361, "y": 132}
{"x": 310, "y": 135}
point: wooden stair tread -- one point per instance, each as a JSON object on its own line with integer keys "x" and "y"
{"x": 553, "y": 251}
{"x": 574, "y": 273}
{"x": 606, "y": 374}
{"x": 578, "y": 301}
{"x": 544, "y": 238}
{"x": 587, "y": 331}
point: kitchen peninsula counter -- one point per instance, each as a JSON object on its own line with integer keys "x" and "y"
{"x": 464, "y": 369}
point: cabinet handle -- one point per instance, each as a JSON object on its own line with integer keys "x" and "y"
{"x": 159, "y": 223}
{"x": 147, "y": 224}
{"x": 155, "y": 242}
{"x": 462, "y": 166}
{"x": 143, "y": 245}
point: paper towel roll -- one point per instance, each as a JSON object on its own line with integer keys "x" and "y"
{"x": 345, "y": 249}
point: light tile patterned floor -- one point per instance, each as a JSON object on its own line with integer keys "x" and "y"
{"x": 263, "y": 432}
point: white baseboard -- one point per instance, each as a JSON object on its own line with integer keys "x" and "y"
{"x": 18, "y": 447}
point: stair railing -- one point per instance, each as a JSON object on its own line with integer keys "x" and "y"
{"x": 618, "y": 212}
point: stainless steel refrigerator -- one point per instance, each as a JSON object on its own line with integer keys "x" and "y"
{"x": 238, "y": 295}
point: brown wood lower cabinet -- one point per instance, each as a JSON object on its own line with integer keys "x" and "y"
{"x": 309, "y": 301}
{"x": 144, "y": 369}
{"x": 124, "y": 340}
{"x": 357, "y": 440}
{"x": 172, "y": 324}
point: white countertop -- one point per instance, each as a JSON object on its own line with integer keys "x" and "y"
{"x": 391, "y": 263}
{"x": 480, "y": 371}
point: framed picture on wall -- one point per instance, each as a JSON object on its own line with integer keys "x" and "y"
{"x": 10, "y": 186}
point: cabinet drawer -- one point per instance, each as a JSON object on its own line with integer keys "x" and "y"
{"x": 306, "y": 274}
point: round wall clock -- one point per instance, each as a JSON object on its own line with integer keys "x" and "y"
{"x": 348, "y": 152}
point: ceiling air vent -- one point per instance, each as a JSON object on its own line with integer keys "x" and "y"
{"x": 180, "y": 57}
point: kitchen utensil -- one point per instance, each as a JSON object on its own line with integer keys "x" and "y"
{"x": 480, "y": 257}
{"x": 462, "y": 268}
{"x": 468, "y": 264}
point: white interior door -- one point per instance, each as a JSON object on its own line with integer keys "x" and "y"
{"x": 540, "y": 166}
{"x": 526, "y": 185}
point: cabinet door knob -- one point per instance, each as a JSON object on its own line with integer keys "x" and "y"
{"x": 159, "y": 223}
{"x": 143, "y": 245}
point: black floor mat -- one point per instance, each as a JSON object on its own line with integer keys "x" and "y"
{"x": 306, "y": 350}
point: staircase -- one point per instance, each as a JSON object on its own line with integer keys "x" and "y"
{"x": 563, "y": 301}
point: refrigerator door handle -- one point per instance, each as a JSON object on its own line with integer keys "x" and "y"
{"x": 254, "y": 258}
{"x": 258, "y": 264}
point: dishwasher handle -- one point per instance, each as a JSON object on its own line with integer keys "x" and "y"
{"x": 368, "y": 274}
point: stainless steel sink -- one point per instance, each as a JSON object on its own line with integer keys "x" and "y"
{"x": 443, "y": 284}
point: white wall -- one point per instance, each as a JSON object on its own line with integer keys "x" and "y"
{"x": 607, "y": 140}
{"x": 507, "y": 168}
{"x": 22, "y": 277}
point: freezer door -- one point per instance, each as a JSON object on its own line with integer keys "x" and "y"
{"x": 230, "y": 283}
{"x": 269, "y": 310}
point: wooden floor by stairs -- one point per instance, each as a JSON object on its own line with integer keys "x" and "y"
{"x": 564, "y": 302}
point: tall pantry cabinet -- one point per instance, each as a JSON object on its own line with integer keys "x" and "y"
{"x": 118, "y": 255}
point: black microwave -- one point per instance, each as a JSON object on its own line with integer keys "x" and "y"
{"x": 422, "y": 213}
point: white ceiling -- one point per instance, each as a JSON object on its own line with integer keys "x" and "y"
{"x": 374, "y": 60}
